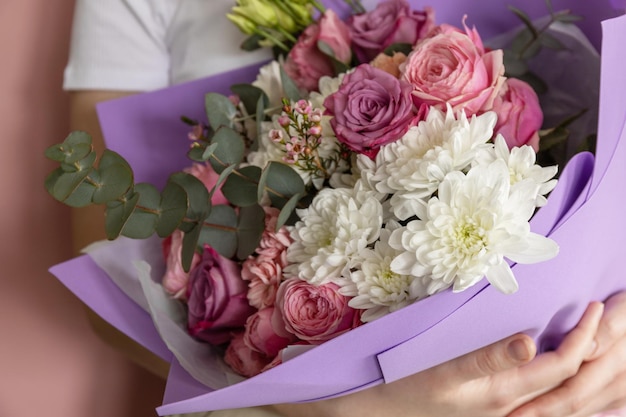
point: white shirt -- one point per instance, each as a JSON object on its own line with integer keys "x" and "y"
{"x": 140, "y": 45}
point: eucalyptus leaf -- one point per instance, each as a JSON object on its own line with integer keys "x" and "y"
{"x": 85, "y": 164}
{"x": 78, "y": 137}
{"x": 514, "y": 66}
{"x": 230, "y": 149}
{"x": 117, "y": 214}
{"x": 55, "y": 152}
{"x": 66, "y": 183}
{"x": 219, "y": 110}
{"x": 551, "y": 42}
{"x": 525, "y": 19}
{"x": 260, "y": 118}
{"x": 287, "y": 211}
{"x": 78, "y": 152}
{"x": 190, "y": 243}
{"x": 142, "y": 222}
{"x": 115, "y": 180}
{"x": 250, "y": 227}
{"x": 199, "y": 204}
{"x": 240, "y": 189}
{"x": 565, "y": 16}
{"x": 195, "y": 153}
{"x": 82, "y": 195}
{"x": 208, "y": 151}
{"x": 220, "y": 231}
{"x": 173, "y": 209}
{"x": 250, "y": 96}
{"x": 281, "y": 183}
{"x": 289, "y": 86}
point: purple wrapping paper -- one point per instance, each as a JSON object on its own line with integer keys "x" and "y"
{"x": 584, "y": 215}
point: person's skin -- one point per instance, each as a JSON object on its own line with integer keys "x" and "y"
{"x": 585, "y": 375}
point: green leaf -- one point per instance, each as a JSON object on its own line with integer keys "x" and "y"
{"x": 281, "y": 183}
{"x": 173, "y": 209}
{"x": 143, "y": 220}
{"x": 230, "y": 149}
{"x": 260, "y": 118}
{"x": 250, "y": 227}
{"x": 219, "y": 110}
{"x": 289, "y": 86}
{"x": 252, "y": 43}
{"x": 199, "y": 204}
{"x": 114, "y": 182}
{"x": 190, "y": 243}
{"x": 526, "y": 20}
{"x": 404, "y": 48}
{"x": 78, "y": 137}
{"x": 553, "y": 137}
{"x": 66, "y": 183}
{"x": 551, "y": 42}
{"x": 195, "y": 153}
{"x": 82, "y": 195}
{"x": 240, "y": 189}
{"x": 287, "y": 211}
{"x": 220, "y": 231}
{"x": 565, "y": 16}
{"x": 117, "y": 214}
{"x": 250, "y": 96}
{"x": 208, "y": 151}
{"x": 514, "y": 67}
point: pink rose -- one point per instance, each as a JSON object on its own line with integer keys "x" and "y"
{"x": 519, "y": 114}
{"x": 451, "y": 67}
{"x": 206, "y": 174}
{"x": 306, "y": 63}
{"x": 175, "y": 279}
{"x": 261, "y": 336}
{"x": 312, "y": 313}
{"x": 244, "y": 360}
{"x": 217, "y": 303}
{"x": 370, "y": 109}
{"x": 389, "y": 23}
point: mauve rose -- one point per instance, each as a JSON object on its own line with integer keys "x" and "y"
{"x": 306, "y": 63}
{"x": 217, "y": 302}
{"x": 389, "y": 23}
{"x": 244, "y": 360}
{"x": 449, "y": 68}
{"x": 370, "y": 109}
{"x": 313, "y": 313}
{"x": 261, "y": 336}
{"x": 519, "y": 114}
{"x": 175, "y": 279}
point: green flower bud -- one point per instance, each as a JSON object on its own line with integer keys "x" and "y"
{"x": 258, "y": 11}
{"x": 244, "y": 24}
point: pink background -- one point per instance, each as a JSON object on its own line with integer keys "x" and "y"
{"x": 51, "y": 363}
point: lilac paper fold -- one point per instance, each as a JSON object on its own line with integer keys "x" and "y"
{"x": 552, "y": 294}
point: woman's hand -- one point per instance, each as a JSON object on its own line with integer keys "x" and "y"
{"x": 600, "y": 384}
{"x": 490, "y": 382}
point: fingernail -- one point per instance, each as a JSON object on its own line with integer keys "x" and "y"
{"x": 518, "y": 350}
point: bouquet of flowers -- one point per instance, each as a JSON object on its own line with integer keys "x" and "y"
{"x": 344, "y": 208}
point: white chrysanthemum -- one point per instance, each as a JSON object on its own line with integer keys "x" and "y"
{"x": 338, "y": 224}
{"x": 375, "y": 288}
{"x": 327, "y": 86}
{"x": 522, "y": 166}
{"x": 412, "y": 168}
{"x": 268, "y": 80}
{"x": 466, "y": 232}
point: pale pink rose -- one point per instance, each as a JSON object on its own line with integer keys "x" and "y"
{"x": 313, "y": 313}
{"x": 260, "y": 335}
{"x": 264, "y": 269}
{"x": 519, "y": 114}
{"x": 242, "y": 359}
{"x": 217, "y": 303}
{"x": 175, "y": 279}
{"x": 265, "y": 275}
{"x": 472, "y": 33}
{"x": 389, "y": 23}
{"x": 449, "y": 68}
{"x": 306, "y": 63}
{"x": 206, "y": 174}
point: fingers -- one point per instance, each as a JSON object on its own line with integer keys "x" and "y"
{"x": 508, "y": 353}
{"x": 551, "y": 369}
{"x": 598, "y": 386}
{"x": 612, "y": 326}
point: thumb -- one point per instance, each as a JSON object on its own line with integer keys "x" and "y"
{"x": 508, "y": 353}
